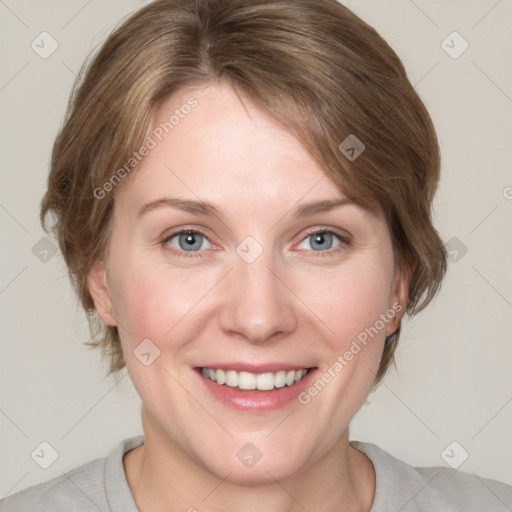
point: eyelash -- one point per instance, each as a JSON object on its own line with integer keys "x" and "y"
{"x": 345, "y": 242}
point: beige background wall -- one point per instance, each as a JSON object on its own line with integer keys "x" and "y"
{"x": 454, "y": 379}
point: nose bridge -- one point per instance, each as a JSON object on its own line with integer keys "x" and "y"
{"x": 259, "y": 305}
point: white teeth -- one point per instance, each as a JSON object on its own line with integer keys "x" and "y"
{"x": 262, "y": 381}
{"x": 265, "y": 381}
{"x": 280, "y": 379}
{"x": 246, "y": 380}
{"x": 221, "y": 376}
{"x": 231, "y": 379}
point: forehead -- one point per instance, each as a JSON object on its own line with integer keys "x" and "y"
{"x": 225, "y": 146}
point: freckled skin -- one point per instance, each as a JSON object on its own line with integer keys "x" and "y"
{"x": 296, "y": 302}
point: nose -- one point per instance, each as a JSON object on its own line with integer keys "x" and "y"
{"x": 259, "y": 304}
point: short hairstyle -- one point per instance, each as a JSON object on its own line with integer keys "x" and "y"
{"x": 313, "y": 65}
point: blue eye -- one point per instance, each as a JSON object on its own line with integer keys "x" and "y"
{"x": 187, "y": 241}
{"x": 191, "y": 243}
{"x": 324, "y": 240}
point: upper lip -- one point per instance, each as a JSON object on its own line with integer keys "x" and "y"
{"x": 255, "y": 368}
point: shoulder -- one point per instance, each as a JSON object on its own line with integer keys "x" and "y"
{"x": 78, "y": 489}
{"x": 400, "y": 486}
{"x": 84, "y": 488}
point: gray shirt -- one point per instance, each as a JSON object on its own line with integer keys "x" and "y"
{"x": 101, "y": 485}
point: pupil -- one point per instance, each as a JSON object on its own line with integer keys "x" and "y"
{"x": 321, "y": 241}
{"x": 188, "y": 241}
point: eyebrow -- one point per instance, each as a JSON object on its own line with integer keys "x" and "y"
{"x": 209, "y": 209}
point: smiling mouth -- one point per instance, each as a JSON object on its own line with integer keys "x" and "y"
{"x": 247, "y": 381}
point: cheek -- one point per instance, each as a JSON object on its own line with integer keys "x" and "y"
{"x": 141, "y": 305}
{"x": 349, "y": 300}
{"x": 151, "y": 299}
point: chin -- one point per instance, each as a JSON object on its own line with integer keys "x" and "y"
{"x": 261, "y": 473}
{"x": 244, "y": 463}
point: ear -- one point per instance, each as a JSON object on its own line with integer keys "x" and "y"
{"x": 399, "y": 294}
{"x": 98, "y": 287}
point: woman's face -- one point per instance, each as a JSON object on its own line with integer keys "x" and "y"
{"x": 254, "y": 287}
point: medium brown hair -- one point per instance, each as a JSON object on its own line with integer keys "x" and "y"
{"x": 313, "y": 65}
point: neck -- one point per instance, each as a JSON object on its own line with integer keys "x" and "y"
{"x": 162, "y": 477}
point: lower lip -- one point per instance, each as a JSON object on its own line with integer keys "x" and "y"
{"x": 254, "y": 400}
